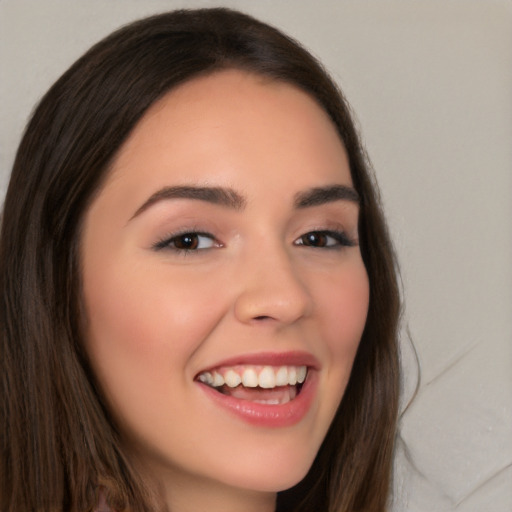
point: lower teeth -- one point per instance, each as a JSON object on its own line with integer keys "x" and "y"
{"x": 275, "y": 396}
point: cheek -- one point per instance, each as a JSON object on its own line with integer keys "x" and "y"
{"x": 343, "y": 306}
{"x": 142, "y": 330}
{"x": 145, "y": 309}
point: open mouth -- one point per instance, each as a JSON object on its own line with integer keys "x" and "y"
{"x": 269, "y": 385}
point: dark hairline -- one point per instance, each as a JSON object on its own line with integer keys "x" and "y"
{"x": 377, "y": 355}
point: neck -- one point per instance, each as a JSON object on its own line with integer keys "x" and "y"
{"x": 211, "y": 496}
{"x": 181, "y": 491}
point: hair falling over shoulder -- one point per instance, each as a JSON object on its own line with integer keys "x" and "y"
{"x": 60, "y": 445}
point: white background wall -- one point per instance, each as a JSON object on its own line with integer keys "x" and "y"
{"x": 431, "y": 83}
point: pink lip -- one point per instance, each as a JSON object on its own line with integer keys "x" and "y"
{"x": 265, "y": 415}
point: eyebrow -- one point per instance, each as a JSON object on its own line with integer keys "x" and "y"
{"x": 321, "y": 195}
{"x": 231, "y": 199}
{"x": 215, "y": 195}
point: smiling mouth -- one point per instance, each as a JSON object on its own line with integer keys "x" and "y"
{"x": 269, "y": 385}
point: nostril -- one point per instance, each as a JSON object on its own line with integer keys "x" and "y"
{"x": 262, "y": 317}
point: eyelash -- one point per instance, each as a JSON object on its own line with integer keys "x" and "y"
{"x": 340, "y": 238}
{"x": 169, "y": 242}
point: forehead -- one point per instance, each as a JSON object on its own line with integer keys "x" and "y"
{"x": 233, "y": 128}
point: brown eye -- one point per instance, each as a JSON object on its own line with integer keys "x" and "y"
{"x": 325, "y": 240}
{"x": 314, "y": 239}
{"x": 187, "y": 242}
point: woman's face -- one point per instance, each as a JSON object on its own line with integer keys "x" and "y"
{"x": 223, "y": 248}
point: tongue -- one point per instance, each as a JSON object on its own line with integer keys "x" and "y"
{"x": 277, "y": 395}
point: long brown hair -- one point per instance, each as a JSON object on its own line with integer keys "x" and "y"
{"x": 59, "y": 442}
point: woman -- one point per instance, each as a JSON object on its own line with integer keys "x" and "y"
{"x": 199, "y": 304}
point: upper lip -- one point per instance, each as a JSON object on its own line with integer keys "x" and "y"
{"x": 292, "y": 358}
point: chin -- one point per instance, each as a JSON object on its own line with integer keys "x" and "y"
{"x": 272, "y": 474}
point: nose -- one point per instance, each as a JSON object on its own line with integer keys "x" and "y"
{"x": 271, "y": 290}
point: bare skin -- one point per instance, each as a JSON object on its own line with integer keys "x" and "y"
{"x": 178, "y": 280}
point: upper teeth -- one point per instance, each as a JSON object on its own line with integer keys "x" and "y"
{"x": 254, "y": 376}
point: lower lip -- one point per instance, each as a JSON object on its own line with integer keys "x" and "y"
{"x": 264, "y": 415}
